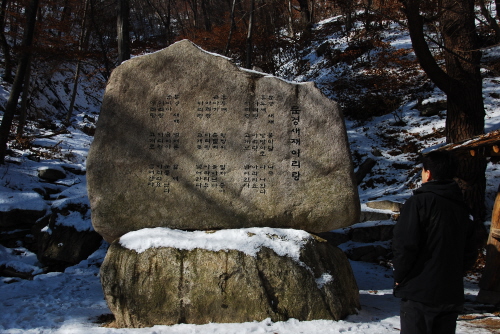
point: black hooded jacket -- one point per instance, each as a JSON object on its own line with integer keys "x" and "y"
{"x": 433, "y": 245}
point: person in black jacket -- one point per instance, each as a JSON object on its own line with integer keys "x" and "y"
{"x": 433, "y": 247}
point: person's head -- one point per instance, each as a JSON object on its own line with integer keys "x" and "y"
{"x": 438, "y": 165}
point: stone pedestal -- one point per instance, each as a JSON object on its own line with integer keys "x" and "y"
{"x": 164, "y": 285}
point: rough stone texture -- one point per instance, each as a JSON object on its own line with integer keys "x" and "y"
{"x": 187, "y": 140}
{"x": 169, "y": 286}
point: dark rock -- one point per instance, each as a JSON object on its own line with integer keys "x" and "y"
{"x": 20, "y": 218}
{"x": 334, "y": 238}
{"x": 368, "y": 253}
{"x": 61, "y": 246}
{"x": 51, "y": 174}
{"x": 372, "y": 233}
{"x": 366, "y": 216}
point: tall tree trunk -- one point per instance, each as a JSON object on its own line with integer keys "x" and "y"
{"x": 206, "y": 17}
{"x": 368, "y": 8}
{"x": 291, "y": 32}
{"x": 305, "y": 14}
{"x": 231, "y": 29}
{"x": 7, "y": 75}
{"x": 347, "y": 11}
{"x": 461, "y": 82}
{"x": 10, "y": 107}
{"x": 249, "y": 42}
{"x": 83, "y": 33}
{"x": 465, "y": 114}
{"x": 194, "y": 8}
{"x": 123, "y": 30}
{"x": 23, "y": 113}
{"x": 168, "y": 22}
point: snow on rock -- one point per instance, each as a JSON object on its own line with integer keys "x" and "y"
{"x": 284, "y": 242}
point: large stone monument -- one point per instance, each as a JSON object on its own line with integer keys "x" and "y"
{"x": 188, "y": 142}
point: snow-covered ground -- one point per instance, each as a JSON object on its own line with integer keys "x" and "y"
{"x": 73, "y": 302}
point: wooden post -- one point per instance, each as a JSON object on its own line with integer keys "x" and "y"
{"x": 489, "y": 284}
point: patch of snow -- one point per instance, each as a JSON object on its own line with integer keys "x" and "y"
{"x": 284, "y": 242}
{"x": 324, "y": 279}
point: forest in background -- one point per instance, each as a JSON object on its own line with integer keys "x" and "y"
{"x": 81, "y": 38}
{"x": 85, "y": 40}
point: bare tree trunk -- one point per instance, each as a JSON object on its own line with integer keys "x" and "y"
{"x": 461, "y": 82}
{"x": 231, "y": 28}
{"x": 249, "y": 42}
{"x": 7, "y": 75}
{"x": 123, "y": 30}
{"x": 306, "y": 19}
{"x": 465, "y": 114}
{"x": 368, "y": 8}
{"x": 206, "y": 18}
{"x": 194, "y": 8}
{"x": 168, "y": 22}
{"x": 312, "y": 12}
{"x": 347, "y": 10}
{"x": 81, "y": 41}
{"x": 24, "y": 100}
{"x": 290, "y": 19}
{"x": 10, "y": 108}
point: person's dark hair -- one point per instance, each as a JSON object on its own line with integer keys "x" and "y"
{"x": 441, "y": 164}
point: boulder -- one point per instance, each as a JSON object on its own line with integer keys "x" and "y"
{"x": 68, "y": 238}
{"x": 51, "y": 174}
{"x": 187, "y": 140}
{"x": 228, "y": 276}
{"x": 65, "y": 246}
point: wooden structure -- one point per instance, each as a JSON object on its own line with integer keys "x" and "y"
{"x": 489, "y": 284}
{"x": 487, "y": 145}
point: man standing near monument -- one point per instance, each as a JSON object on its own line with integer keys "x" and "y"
{"x": 433, "y": 248}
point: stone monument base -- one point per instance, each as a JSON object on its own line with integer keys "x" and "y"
{"x": 226, "y": 276}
